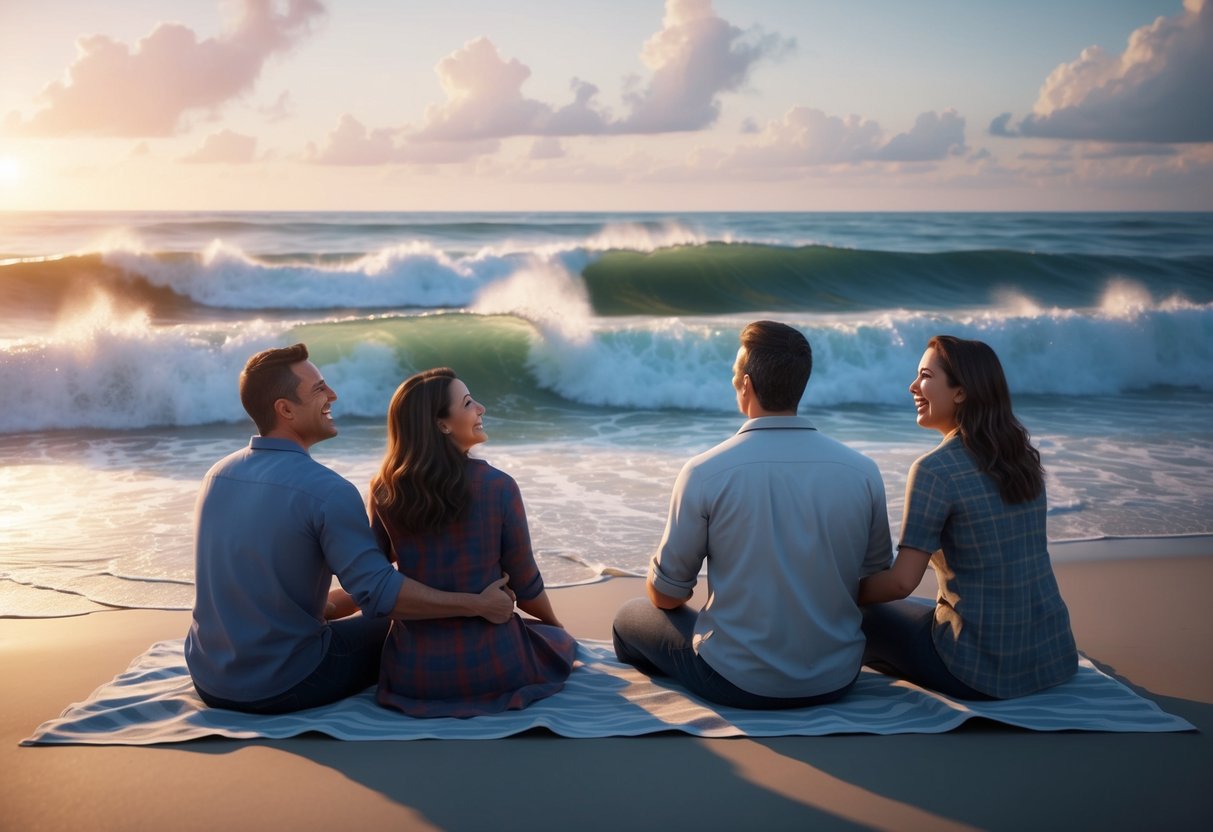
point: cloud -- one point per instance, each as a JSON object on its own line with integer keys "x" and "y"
{"x": 1000, "y": 126}
{"x": 1157, "y": 90}
{"x": 485, "y": 100}
{"x": 352, "y": 143}
{"x": 1128, "y": 151}
{"x": 807, "y": 137}
{"x": 694, "y": 58}
{"x": 281, "y": 109}
{"x": 933, "y": 137}
{"x": 546, "y": 147}
{"x": 224, "y": 147}
{"x": 114, "y": 90}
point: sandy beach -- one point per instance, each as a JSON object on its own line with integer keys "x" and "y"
{"x": 1139, "y": 619}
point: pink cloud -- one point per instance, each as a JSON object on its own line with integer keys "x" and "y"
{"x": 807, "y": 137}
{"x": 484, "y": 97}
{"x": 546, "y": 147}
{"x": 694, "y": 58}
{"x": 224, "y": 147}
{"x": 352, "y": 143}
{"x": 114, "y": 90}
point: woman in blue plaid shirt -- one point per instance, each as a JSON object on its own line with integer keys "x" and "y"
{"x": 448, "y": 520}
{"x": 975, "y": 512}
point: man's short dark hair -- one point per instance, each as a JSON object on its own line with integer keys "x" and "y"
{"x": 266, "y": 378}
{"x": 778, "y": 361}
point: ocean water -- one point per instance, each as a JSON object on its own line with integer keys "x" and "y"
{"x": 601, "y": 345}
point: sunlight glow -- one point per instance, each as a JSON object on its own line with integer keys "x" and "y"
{"x": 11, "y": 171}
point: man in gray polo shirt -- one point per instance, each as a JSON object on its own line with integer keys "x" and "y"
{"x": 789, "y": 521}
{"x": 272, "y": 527}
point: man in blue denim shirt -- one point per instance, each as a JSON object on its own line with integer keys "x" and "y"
{"x": 272, "y": 527}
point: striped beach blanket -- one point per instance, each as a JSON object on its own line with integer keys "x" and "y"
{"x": 154, "y": 702}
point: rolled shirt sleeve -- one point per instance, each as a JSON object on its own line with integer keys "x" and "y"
{"x": 353, "y": 553}
{"x": 674, "y": 569}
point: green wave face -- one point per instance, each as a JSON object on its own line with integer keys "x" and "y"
{"x": 489, "y": 353}
{"x": 723, "y": 278}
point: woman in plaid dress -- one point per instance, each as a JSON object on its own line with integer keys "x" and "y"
{"x": 449, "y": 520}
{"x": 975, "y": 511}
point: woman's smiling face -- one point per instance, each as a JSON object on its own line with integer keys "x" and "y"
{"x": 463, "y": 423}
{"x": 935, "y": 398}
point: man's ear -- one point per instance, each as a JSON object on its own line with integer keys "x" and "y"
{"x": 285, "y": 409}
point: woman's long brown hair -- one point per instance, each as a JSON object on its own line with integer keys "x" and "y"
{"x": 421, "y": 483}
{"x": 988, "y": 428}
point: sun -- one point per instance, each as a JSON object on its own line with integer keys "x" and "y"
{"x": 11, "y": 170}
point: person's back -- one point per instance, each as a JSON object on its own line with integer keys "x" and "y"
{"x": 795, "y": 519}
{"x": 263, "y": 517}
{"x": 455, "y": 522}
{"x": 788, "y": 522}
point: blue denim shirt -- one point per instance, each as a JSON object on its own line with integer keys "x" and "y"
{"x": 272, "y": 527}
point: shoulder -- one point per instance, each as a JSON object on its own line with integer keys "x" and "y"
{"x": 948, "y": 457}
{"x": 494, "y": 478}
{"x": 835, "y": 451}
{"x": 303, "y": 473}
{"x": 942, "y": 467}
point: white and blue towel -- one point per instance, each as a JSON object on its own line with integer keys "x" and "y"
{"x": 154, "y": 702}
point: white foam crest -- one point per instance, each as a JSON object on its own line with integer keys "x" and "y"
{"x": 1012, "y": 302}
{"x": 637, "y": 237}
{"x": 84, "y": 317}
{"x": 1123, "y": 298}
{"x": 679, "y": 363}
{"x": 544, "y": 293}
{"x": 225, "y": 276}
{"x": 666, "y": 363}
{"x": 126, "y": 374}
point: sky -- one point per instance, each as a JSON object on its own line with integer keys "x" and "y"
{"x": 606, "y": 105}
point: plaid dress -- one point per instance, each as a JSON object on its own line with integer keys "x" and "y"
{"x": 1001, "y": 626}
{"x": 468, "y": 666}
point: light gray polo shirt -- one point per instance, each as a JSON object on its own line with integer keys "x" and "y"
{"x": 789, "y": 522}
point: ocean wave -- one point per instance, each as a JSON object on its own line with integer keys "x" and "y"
{"x": 106, "y": 369}
{"x": 718, "y": 278}
{"x": 628, "y": 271}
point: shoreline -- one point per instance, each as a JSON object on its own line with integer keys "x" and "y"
{"x": 1106, "y": 548}
{"x": 1139, "y": 618}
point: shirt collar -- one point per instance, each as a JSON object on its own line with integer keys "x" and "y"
{"x": 777, "y": 423}
{"x": 270, "y": 443}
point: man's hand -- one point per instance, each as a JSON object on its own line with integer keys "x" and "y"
{"x": 497, "y": 601}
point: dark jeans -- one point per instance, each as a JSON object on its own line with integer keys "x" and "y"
{"x": 350, "y": 666}
{"x": 658, "y": 642}
{"x": 900, "y": 644}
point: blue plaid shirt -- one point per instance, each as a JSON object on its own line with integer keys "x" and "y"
{"x": 1001, "y": 626}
